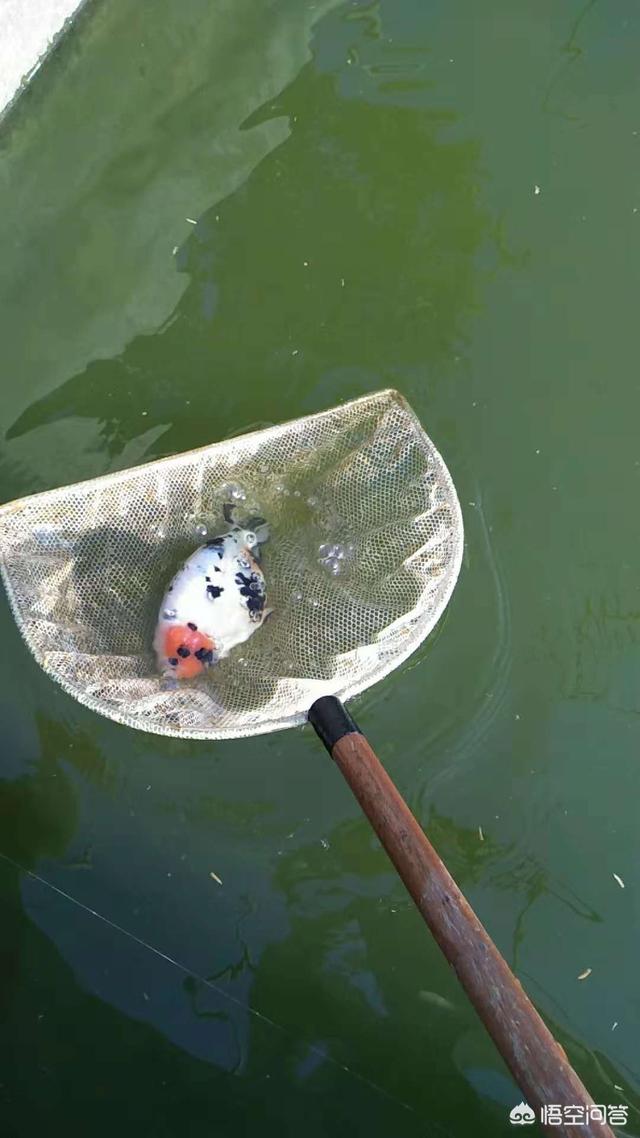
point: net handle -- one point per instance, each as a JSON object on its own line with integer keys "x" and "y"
{"x": 536, "y": 1060}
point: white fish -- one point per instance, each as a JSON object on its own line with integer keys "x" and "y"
{"x": 215, "y": 601}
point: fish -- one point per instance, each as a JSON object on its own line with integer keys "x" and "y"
{"x": 216, "y": 600}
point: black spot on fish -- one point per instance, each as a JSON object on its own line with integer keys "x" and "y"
{"x": 193, "y": 627}
{"x": 205, "y": 655}
{"x": 207, "y": 578}
{"x": 183, "y": 651}
{"x": 217, "y": 569}
{"x": 173, "y": 660}
{"x": 252, "y": 587}
{"x": 214, "y": 591}
{"x": 218, "y": 545}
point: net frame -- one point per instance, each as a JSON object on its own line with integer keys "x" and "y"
{"x": 383, "y": 482}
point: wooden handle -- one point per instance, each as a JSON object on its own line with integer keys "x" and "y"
{"x": 536, "y": 1060}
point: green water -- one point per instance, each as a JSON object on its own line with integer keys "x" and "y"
{"x": 363, "y": 177}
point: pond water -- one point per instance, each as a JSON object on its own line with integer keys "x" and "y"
{"x": 219, "y": 215}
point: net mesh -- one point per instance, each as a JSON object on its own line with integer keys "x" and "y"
{"x": 365, "y": 548}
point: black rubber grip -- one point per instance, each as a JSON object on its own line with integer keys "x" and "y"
{"x": 331, "y": 720}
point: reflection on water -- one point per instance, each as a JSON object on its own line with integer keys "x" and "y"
{"x": 354, "y": 949}
{"x": 338, "y": 916}
{"x": 316, "y": 280}
{"x": 88, "y": 260}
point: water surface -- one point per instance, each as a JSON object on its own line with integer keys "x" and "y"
{"x": 439, "y": 198}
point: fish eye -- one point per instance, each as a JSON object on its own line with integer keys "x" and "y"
{"x": 250, "y": 538}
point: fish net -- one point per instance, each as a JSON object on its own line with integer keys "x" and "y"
{"x": 365, "y": 548}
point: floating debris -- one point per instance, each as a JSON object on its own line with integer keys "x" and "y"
{"x": 480, "y": 833}
{"x": 436, "y": 1000}
{"x": 613, "y": 1028}
{"x": 536, "y": 190}
{"x": 619, "y": 880}
{"x": 215, "y": 877}
{"x": 583, "y": 975}
{"x": 191, "y": 220}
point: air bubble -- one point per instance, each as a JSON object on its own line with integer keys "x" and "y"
{"x": 313, "y": 502}
{"x": 234, "y": 492}
{"x": 201, "y": 530}
{"x": 170, "y": 614}
{"x": 333, "y": 557}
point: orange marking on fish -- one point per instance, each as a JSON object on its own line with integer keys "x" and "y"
{"x": 180, "y": 644}
{"x": 251, "y": 559}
